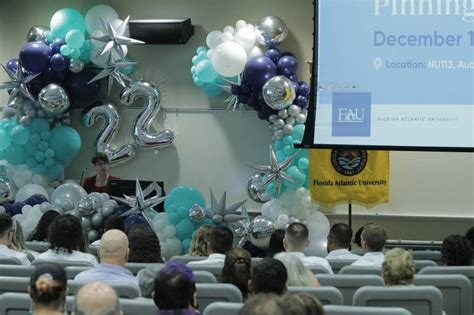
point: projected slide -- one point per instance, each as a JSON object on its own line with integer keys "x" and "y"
{"x": 395, "y": 73}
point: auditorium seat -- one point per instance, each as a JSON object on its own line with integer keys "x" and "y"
{"x": 327, "y": 295}
{"x": 420, "y": 264}
{"x": 136, "y": 267}
{"x": 362, "y": 310}
{"x": 39, "y": 247}
{"x": 456, "y": 290}
{"x": 16, "y": 271}
{"x": 220, "y": 308}
{"x": 348, "y": 283}
{"x": 420, "y": 300}
{"x": 337, "y": 264}
{"x": 10, "y": 261}
{"x": 356, "y": 270}
{"x": 72, "y": 271}
{"x": 124, "y": 290}
{"x": 63, "y": 263}
{"x": 14, "y": 284}
{"x": 216, "y": 270}
{"x": 318, "y": 269}
{"x": 204, "y": 277}
{"x": 94, "y": 250}
{"x": 185, "y": 259}
{"x": 208, "y": 293}
{"x": 433, "y": 255}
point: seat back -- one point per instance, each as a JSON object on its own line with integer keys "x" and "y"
{"x": 15, "y": 304}
{"x": 9, "y": 261}
{"x": 204, "y": 277}
{"x": 138, "y": 306}
{"x": 422, "y": 300}
{"x": 337, "y": 264}
{"x": 219, "y": 308}
{"x": 14, "y": 284}
{"x": 356, "y": 270}
{"x": 327, "y": 295}
{"x": 216, "y": 270}
{"x": 185, "y": 259}
{"x": 39, "y": 247}
{"x": 63, "y": 263}
{"x": 208, "y": 293}
{"x": 318, "y": 269}
{"x": 16, "y": 271}
{"x": 124, "y": 290}
{"x": 348, "y": 284}
{"x": 433, "y": 255}
{"x": 136, "y": 267}
{"x": 361, "y": 310}
{"x": 94, "y": 250}
{"x": 73, "y": 271}
{"x": 420, "y": 264}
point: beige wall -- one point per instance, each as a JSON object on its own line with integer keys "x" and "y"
{"x": 214, "y": 148}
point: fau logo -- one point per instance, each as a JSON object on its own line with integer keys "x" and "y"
{"x": 351, "y": 114}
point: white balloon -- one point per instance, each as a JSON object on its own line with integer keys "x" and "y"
{"x": 169, "y": 231}
{"x": 209, "y": 53}
{"x": 2, "y": 209}
{"x": 229, "y": 29}
{"x": 301, "y": 192}
{"x": 228, "y": 59}
{"x": 37, "y": 179}
{"x": 227, "y": 36}
{"x": 318, "y": 224}
{"x": 255, "y": 52}
{"x": 213, "y": 39}
{"x": 317, "y": 246}
{"x": 245, "y": 37}
{"x": 97, "y": 13}
{"x": 306, "y": 201}
{"x": 174, "y": 247}
{"x": 29, "y": 190}
{"x": 159, "y": 225}
{"x": 240, "y": 24}
{"x": 282, "y": 220}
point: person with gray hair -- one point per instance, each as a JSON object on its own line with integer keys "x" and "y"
{"x": 298, "y": 274}
{"x": 373, "y": 240}
{"x": 146, "y": 280}
{"x": 97, "y": 298}
{"x": 398, "y": 267}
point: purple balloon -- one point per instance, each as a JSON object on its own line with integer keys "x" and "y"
{"x": 273, "y": 53}
{"x": 301, "y": 101}
{"x": 56, "y": 45}
{"x": 293, "y": 78}
{"x": 287, "y": 66}
{"x": 12, "y": 65}
{"x": 16, "y": 208}
{"x": 303, "y": 88}
{"x": 81, "y": 93}
{"x": 58, "y": 62}
{"x": 132, "y": 220}
{"x": 34, "y": 56}
{"x": 259, "y": 70}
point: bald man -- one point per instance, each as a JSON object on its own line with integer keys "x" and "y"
{"x": 96, "y": 298}
{"x": 113, "y": 253}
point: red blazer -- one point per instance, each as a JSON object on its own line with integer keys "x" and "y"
{"x": 89, "y": 185}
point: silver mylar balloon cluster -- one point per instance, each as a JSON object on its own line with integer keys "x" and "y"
{"x": 53, "y": 99}
{"x": 5, "y": 190}
{"x": 282, "y": 124}
{"x": 37, "y": 33}
{"x": 257, "y": 231}
{"x": 255, "y": 189}
{"x": 279, "y": 92}
{"x": 271, "y": 31}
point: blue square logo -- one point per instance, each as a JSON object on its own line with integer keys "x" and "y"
{"x": 351, "y": 114}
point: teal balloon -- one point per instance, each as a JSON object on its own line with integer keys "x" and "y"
{"x": 278, "y": 145}
{"x": 65, "y": 50}
{"x": 66, "y": 142}
{"x": 39, "y": 156}
{"x": 297, "y": 176}
{"x": 55, "y": 172}
{"x": 49, "y": 153}
{"x": 40, "y": 169}
{"x": 211, "y": 89}
{"x": 173, "y": 218}
{"x": 20, "y": 135}
{"x": 298, "y": 132}
{"x": 281, "y": 157}
{"x": 45, "y": 135}
{"x": 193, "y": 70}
{"x": 288, "y": 150}
{"x": 201, "y": 48}
{"x": 303, "y": 163}
{"x": 287, "y": 140}
{"x": 186, "y": 244}
{"x": 35, "y": 138}
{"x": 43, "y": 145}
{"x": 31, "y": 162}
{"x": 128, "y": 70}
{"x": 39, "y": 124}
{"x": 50, "y": 36}
{"x": 5, "y": 139}
{"x": 184, "y": 229}
{"x": 15, "y": 154}
{"x": 75, "y": 39}
{"x": 199, "y": 57}
{"x": 205, "y": 71}
{"x": 86, "y": 51}
{"x": 183, "y": 212}
{"x": 66, "y": 20}
{"x": 184, "y": 196}
{"x": 75, "y": 53}
{"x": 30, "y": 148}
{"x": 198, "y": 82}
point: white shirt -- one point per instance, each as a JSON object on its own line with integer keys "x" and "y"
{"x": 370, "y": 259}
{"x": 64, "y": 255}
{"x": 213, "y": 259}
{"x": 309, "y": 261}
{"x": 7, "y": 252}
{"x": 342, "y": 254}
{"x": 96, "y": 243}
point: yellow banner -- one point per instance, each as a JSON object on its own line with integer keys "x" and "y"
{"x": 349, "y": 176}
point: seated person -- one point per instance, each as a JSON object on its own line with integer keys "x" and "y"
{"x": 339, "y": 242}
{"x": 6, "y": 234}
{"x": 311, "y": 304}
{"x": 298, "y": 274}
{"x": 144, "y": 245}
{"x": 296, "y": 304}
{"x": 275, "y": 245}
{"x": 456, "y": 251}
{"x": 113, "y": 253}
{"x": 219, "y": 242}
{"x": 18, "y": 241}
{"x": 99, "y": 182}
{"x": 146, "y": 279}
{"x": 67, "y": 241}
{"x": 236, "y": 271}
{"x": 40, "y": 233}
{"x": 373, "y": 240}
{"x": 175, "y": 290}
{"x": 398, "y": 268}
{"x": 268, "y": 276}
{"x": 296, "y": 240}
{"x": 97, "y": 298}
{"x": 113, "y": 222}
{"x": 263, "y": 303}
{"x": 48, "y": 289}
{"x": 198, "y": 245}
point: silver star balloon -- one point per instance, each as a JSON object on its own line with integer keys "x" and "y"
{"x": 112, "y": 71}
{"x": 114, "y": 38}
{"x": 244, "y": 227}
{"x": 275, "y": 172}
{"x": 220, "y": 213}
{"x": 139, "y": 204}
{"x": 232, "y": 101}
{"x": 19, "y": 83}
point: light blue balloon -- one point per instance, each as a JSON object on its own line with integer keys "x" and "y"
{"x": 303, "y": 163}
{"x": 75, "y": 53}
{"x": 288, "y": 150}
{"x": 66, "y": 142}
{"x": 184, "y": 229}
{"x": 287, "y": 140}
{"x": 30, "y": 148}
{"x": 298, "y": 132}
{"x": 39, "y": 124}
{"x": 211, "y": 89}
{"x": 205, "y": 71}
{"x": 201, "y": 48}
{"x": 31, "y": 162}
{"x": 183, "y": 196}
{"x": 75, "y": 39}
{"x": 278, "y": 145}
{"x": 198, "y": 82}
{"x": 15, "y": 154}
{"x": 39, "y": 156}
{"x": 198, "y": 58}
{"x": 5, "y": 139}
{"x": 65, "y": 20}
{"x": 65, "y": 50}
{"x": 20, "y": 135}
{"x": 297, "y": 176}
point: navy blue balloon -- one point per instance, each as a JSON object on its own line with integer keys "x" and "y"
{"x": 252, "y": 101}
{"x": 8, "y": 207}
{"x": 273, "y": 53}
{"x": 35, "y": 199}
{"x": 81, "y": 93}
{"x": 132, "y": 220}
{"x": 301, "y": 101}
{"x": 287, "y": 66}
{"x": 259, "y": 70}
{"x": 58, "y": 62}
{"x": 236, "y": 90}
{"x": 121, "y": 209}
{"x": 56, "y": 45}
{"x": 12, "y": 65}
{"x": 16, "y": 208}
{"x": 293, "y": 78}
{"x": 34, "y": 56}
{"x": 303, "y": 88}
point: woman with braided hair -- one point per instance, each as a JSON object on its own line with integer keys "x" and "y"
{"x": 236, "y": 271}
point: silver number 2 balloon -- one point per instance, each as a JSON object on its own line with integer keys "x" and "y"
{"x": 151, "y": 95}
{"x": 111, "y": 118}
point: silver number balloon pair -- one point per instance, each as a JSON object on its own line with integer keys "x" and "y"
{"x": 141, "y": 135}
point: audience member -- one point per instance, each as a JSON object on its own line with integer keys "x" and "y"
{"x": 398, "y": 268}
{"x": 67, "y": 241}
{"x": 113, "y": 253}
{"x": 373, "y": 241}
{"x": 40, "y": 233}
{"x": 456, "y": 251}
{"x": 470, "y": 237}
{"x": 339, "y": 242}
{"x": 97, "y": 298}
{"x": 268, "y": 276}
{"x": 275, "y": 245}
{"x": 18, "y": 241}
{"x": 219, "y": 242}
{"x": 263, "y": 303}
{"x": 7, "y": 249}
{"x": 113, "y": 222}
{"x": 198, "y": 245}
{"x": 48, "y": 289}
{"x": 296, "y": 240}
{"x": 236, "y": 271}
{"x": 175, "y": 290}
{"x": 311, "y": 304}
{"x": 357, "y": 235}
{"x": 296, "y": 305}
{"x": 146, "y": 279}
{"x": 298, "y": 274}
{"x": 144, "y": 245}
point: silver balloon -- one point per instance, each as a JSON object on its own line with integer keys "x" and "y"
{"x": 107, "y": 210}
{"x": 97, "y": 220}
{"x": 279, "y": 92}
{"x": 25, "y": 120}
{"x": 279, "y": 123}
{"x": 8, "y": 112}
{"x": 86, "y": 224}
{"x": 36, "y": 33}
{"x": 73, "y": 212}
{"x": 5, "y": 190}
{"x": 272, "y": 118}
{"x": 67, "y": 195}
{"x": 301, "y": 118}
{"x": 92, "y": 235}
{"x": 53, "y": 99}
{"x": 255, "y": 190}
{"x": 261, "y": 228}
{"x": 290, "y": 121}
{"x": 294, "y": 110}
{"x": 271, "y": 31}
{"x": 76, "y": 65}
{"x": 103, "y": 143}
{"x": 278, "y": 134}
{"x": 283, "y": 113}
{"x": 197, "y": 213}
{"x": 288, "y": 129}
{"x": 87, "y": 206}
{"x": 149, "y": 92}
